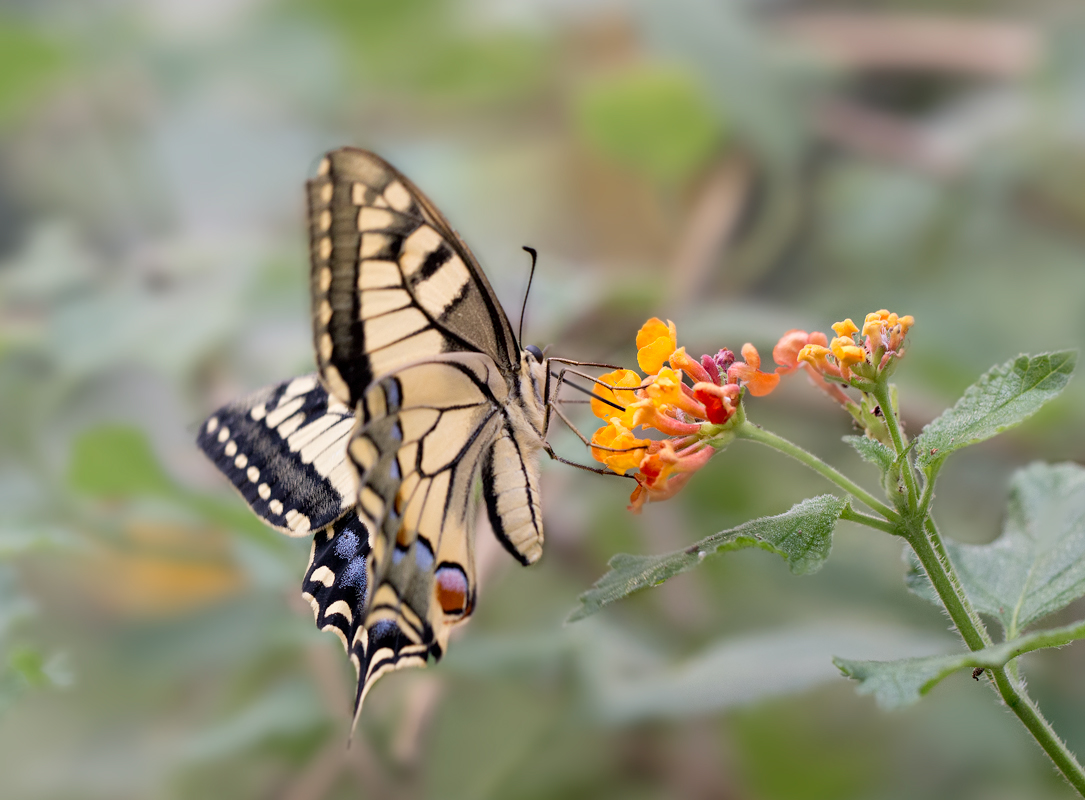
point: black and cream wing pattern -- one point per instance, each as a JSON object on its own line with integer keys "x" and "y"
{"x": 423, "y": 405}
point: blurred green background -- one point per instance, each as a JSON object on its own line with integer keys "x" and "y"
{"x": 739, "y": 168}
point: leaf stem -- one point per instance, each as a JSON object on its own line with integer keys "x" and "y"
{"x": 756, "y": 433}
{"x": 852, "y": 515}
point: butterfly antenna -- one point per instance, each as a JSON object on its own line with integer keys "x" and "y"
{"x": 531, "y": 275}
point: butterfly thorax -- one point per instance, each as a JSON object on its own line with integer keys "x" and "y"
{"x": 531, "y": 404}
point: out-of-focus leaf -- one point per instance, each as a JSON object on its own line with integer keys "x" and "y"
{"x": 117, "y": 461}
{"x": 1005, "y": 396}
{"x": 27, "y": 61}
{"x": 802, "y": 536}
{"x": 290, "y": 709}
{"x": 1037, "y": 565}
{"x": 903, "y": 682}
{"x": 750, "y": 79}
{"x": 739, "y": 671}
{"x": 652, "y": 121}
{"x": 873, "y": 451}
{"x": 496, "y": 68}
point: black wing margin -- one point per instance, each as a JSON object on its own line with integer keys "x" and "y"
{"x": 284, "y": 450}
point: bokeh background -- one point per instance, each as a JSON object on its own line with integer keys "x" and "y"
{"x": 741, "y": 168}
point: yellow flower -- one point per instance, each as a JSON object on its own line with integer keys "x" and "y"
{"x": 656, "y": 342}
{"x": 817, "y": 356}
{"x": 616, "y": 446}
{"x": 624, "y": 397}
{"x": 885, "y": 329}
{"x": 846, "y": 328}
{"x": 846, "y": 352}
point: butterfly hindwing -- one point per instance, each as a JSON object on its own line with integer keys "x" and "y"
{"x": 391, "y": 281}
{"x": 335, "y": 586}
{"x": 419, "y": 450}
{"x": 283, "y": 448}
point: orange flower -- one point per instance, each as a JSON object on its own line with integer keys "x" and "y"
{"x": 695, "y": 370}
{"x": 665, "y": 471}
{"x": 624, "y": 397}
{"x": 617, "y": 447}
{"x": 668, "y": 390}
{"x": 656, "y": 342}
{"x": 698, "y": 419}
{"x": 786, "y": 352}
{"x": 847, "y": 353}
{"x": 720, "y": 402}
{"x": 846, "y": 359}
{"x": 757, "y": 382}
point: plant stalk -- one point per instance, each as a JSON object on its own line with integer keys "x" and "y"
{"x": 755, "y": 433}
{"x": 966, "y": 619}
{"x": 889, "y": 414}
{"x": 922, "y": 535}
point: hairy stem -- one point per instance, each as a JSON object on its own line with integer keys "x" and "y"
{"x": 932, "y": 555}
{"x": 756, "y": 433}
{"x": 889, "y": 414}
{"x": 851, "y": 515}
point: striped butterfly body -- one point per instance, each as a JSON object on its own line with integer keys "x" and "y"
{"x": 423, "y": 398}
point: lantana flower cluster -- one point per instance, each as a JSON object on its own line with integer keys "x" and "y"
{"x": 697, "y": 404}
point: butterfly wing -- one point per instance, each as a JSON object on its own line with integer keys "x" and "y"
{"x": 284, "y": 449}
{"x": 391, "y": 281}
{"x": 419, "y": 452}
{"x": 411, "y": 338}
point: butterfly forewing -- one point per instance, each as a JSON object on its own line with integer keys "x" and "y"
{"x": 391, "y": 282}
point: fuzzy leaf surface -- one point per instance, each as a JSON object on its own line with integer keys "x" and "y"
{"x": 900, "y": 683}
{"x": 801, "y": 535}
{"x": 1037, "y": 565}
{"x": 873, "y": 451}
{"x": 1005, "y": 396}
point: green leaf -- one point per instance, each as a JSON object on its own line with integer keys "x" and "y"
{"x": 1005, "y": 396}
{"x": 801, "y": 535}
{"x": 900, "y": 683}
{"x": 873, "y": 451}
{"x": 651, "y": 120}
{"x": 1037, "y": 565}
{"x": 117, "y": 461}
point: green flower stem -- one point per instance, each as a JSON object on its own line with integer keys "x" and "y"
{"x": 932, "y": 555}
{"x": 755, "y": 433}
{"x": 930, "y": 534}
{"x": 889, "y": 414}
{"x": 945, "y": 582}
{"x": 851, "y": 515}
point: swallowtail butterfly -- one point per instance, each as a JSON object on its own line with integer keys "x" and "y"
{"x": 422, "y": 394}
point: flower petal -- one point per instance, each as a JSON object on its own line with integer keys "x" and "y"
{"x": 622, "y": 397}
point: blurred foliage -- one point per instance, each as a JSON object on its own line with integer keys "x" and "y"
{"x": 28, "y": 59}
{"x": 651, "y": 122}
{"x": 716, "y": 163}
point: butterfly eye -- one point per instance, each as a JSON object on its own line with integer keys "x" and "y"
{"x": 536, "y": 353}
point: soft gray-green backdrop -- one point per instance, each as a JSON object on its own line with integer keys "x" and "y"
{"x": 741, "y": 168}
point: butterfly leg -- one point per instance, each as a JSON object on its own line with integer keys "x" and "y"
{"x": 599, "y": 471}
{"x": 552, "y": 405}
